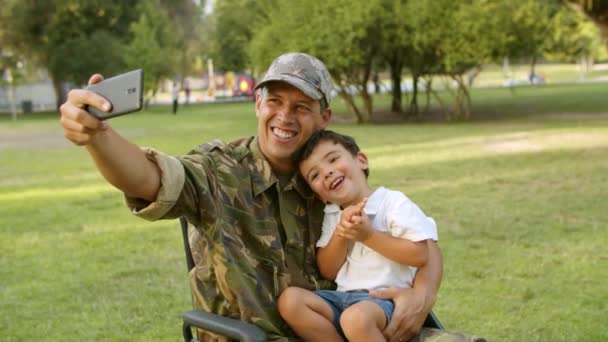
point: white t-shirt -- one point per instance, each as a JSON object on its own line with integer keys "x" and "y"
{"x": 388, "y": 211}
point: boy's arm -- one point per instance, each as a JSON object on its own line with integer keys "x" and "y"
{"x": 331, "y": 257}
{"x": 403, "y": 251}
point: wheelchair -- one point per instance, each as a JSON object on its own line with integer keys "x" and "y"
{"x": 233, "y": 328}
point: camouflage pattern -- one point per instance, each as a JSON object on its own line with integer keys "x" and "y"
{"x": 302, "y": 71}
{"x": 253, "y": 238}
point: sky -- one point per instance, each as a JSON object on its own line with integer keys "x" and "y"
{"x": 208, "y": 5}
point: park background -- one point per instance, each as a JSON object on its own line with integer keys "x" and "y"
{"x": 491, "y": 115}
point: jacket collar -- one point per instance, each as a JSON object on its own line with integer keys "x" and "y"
{"x": 263, "y": 177}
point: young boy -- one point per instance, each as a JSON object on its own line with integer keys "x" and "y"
{"x": 370, "y": 239}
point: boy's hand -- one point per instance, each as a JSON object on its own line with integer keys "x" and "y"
{"x": 353, "y": 210}
{"x": 354, "y": 223}
{"x": 359, "y": 229}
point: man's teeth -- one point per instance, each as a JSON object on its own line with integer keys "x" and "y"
{"x": 283, "y": 134}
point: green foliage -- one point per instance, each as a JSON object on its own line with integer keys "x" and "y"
{"x": 596, "y": 9}
{"x": 90, "y": 35}
{"x": 75, "y": 38}
{"x": 186, "y": 28}
{"x": 72, "y": 39}
{"x": 153, "y": 47}
{"x": 573, "y": 37}
{"x": 344, "y": 34}
{"x": 231, "y": 28}
{"x": 356, "y": 39}
{"x": 99, "y": 51}
{"x": 527, "y": 24}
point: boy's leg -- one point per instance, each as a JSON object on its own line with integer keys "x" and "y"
{"x": 308, "y": 315}
{"x": 364, "y": 321}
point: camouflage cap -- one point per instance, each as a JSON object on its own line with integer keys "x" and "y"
{"x": 302, "y": 71}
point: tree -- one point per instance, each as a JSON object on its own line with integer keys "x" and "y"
{"x": 574, "y": 38}
{"x": 74, "y": 39}
{"x": 528, "y": 25}
{"x": 396, "y": 46}
{"x": 70, "y": 38}
{"x": 186, "y": 24}
{"x": 471, "y": 38}
{"x": 596, "y": 10}
{"x": 231, "y": 27}
{"x": 153, "y": 47}
{"x": 341, "y": 33}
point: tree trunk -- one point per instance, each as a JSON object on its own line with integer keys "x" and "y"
{"x": 351, "y": 105}
{"x": 445, "y": 109}
{"x": 368, "y": 101}
{"x": 467, "y": 102}
{"x": 604, "y": 30}
{"x": 472, "y": 75}
{"x": 427, "y": 90}
{"x": 463, "y": 99}
{"x": 368, "y": 105}
{"x": 396, "y": 68}
{"x": 532, "y": 76}
{"x": 413, "y": 110}
{"x": 60, "y": 96}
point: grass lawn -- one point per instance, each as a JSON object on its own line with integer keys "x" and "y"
{"x": 520, "y": 201}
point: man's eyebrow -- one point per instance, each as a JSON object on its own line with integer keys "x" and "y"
{"x": 306, "y": 101}
{"x": 272, "y": 93}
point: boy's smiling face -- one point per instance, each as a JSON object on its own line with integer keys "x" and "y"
{"x": 336, "y": 175}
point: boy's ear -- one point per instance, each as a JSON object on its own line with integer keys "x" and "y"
{"x": 362, "y": 160}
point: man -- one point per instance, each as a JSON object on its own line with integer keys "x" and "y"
{"x": 256, "y": 221}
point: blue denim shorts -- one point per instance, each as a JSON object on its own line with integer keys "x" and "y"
{"x": 339, "y": 301}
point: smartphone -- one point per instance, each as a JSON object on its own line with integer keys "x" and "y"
{"x": 124, "y": 91}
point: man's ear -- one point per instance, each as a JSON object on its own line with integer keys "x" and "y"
{"x": 325, "y": 118}
{"x": 258, "y": 103}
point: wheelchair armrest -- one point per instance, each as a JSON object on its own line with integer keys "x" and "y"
{"x": 229, "y": 327}
{"x": 432, "y": 322}
{"x": 242, "y": 331}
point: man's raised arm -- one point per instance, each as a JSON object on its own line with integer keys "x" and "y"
{"x": 122, "y": 163}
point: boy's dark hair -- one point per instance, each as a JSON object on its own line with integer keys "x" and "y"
{"x": 326, "y": 135}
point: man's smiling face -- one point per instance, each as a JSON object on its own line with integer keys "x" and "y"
{"x": 286, "y": 119}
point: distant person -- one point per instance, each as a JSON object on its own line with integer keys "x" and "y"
{"x": 187, "y": 92}
{"x": 370, "y": 239}
{"x": 175, "y": 97}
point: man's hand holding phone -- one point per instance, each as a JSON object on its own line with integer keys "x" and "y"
{"x": 84, "y": 110}
{"x": 78, "y": 125}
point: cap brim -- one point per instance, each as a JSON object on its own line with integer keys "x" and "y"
{"x": 305, "y": 87}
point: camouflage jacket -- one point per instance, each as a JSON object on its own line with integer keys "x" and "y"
{"x": 252, "y": 239}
